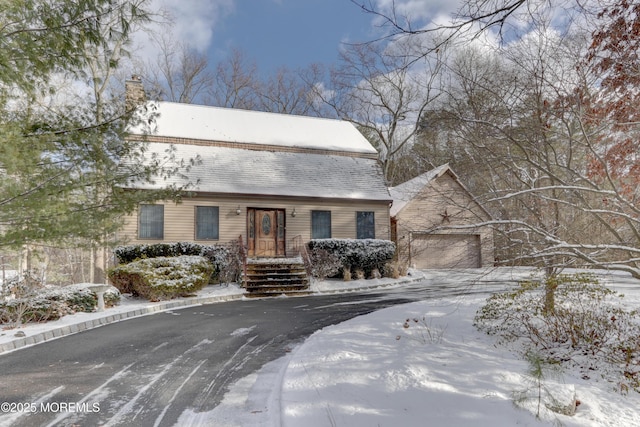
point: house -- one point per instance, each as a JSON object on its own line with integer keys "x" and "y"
{"x": 433, "y": 222}
{"x": 276, "y": 180}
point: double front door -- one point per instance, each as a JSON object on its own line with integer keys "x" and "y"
{"x": 266, "y": 232}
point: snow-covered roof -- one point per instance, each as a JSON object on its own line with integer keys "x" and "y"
{"x": 199, "y": 122}
{"x": 405, "y": 192}
{"x": 275, "y": 173}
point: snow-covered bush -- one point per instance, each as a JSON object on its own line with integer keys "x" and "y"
{"x": 162, "y": 278}
{"x": 357, "y": 254}
{"x": 81, "y": 297}
{"x": 587, "y": 328}
{"x": 228, "y": 263}
{"x": 51, "y": 303}
{"x": 37, "y": 309}
{"x": 225, "y": 259}
{"x": 321, "y": 264}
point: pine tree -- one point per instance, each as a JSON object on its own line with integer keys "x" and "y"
{"x": 62, "y": 172}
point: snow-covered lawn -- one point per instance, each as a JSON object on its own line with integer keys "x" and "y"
{"x": 372, "y": 371}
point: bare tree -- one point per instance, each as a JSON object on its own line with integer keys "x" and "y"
{"x": 236, "y": 81}
{"x": 472, "y": 18}
{"x": 530, "y": 123}
{"x": 291, "y": 92}
{"x": 179, "y": 73}
{"x": 556, "y": 154}
{"x": 384, "y": 91}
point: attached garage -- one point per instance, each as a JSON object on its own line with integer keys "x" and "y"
{"x": 437, "y": 223}
{"x": 445, "y": 251}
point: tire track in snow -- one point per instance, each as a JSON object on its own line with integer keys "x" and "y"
{"x": 203, "y": 399}
{"x": 95, "y": 392}
{"x": 175, "y": 393}
{"x": 125, "y": 411}
{"x": 215, "y": 390}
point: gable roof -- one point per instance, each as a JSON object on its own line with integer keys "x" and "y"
{"x": 408, "y": 190}
{"x": 229, "y": 170}
{"x": 402, "y": 194}
{"x": 176, "y": 120}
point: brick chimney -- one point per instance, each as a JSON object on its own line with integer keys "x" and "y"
{"x": 134, "y": 92}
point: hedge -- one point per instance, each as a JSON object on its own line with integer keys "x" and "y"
{"x": 365, "y": 254}
{"x": 162, "y": 278}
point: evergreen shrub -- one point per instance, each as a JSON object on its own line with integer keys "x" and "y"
{"x": 225, "y": 259}
{"x": 356, "y": 254}
{"x": 162, "y": 278}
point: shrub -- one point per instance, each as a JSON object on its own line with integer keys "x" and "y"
{"x": 19, "y": 311}
{"x": 391, "y": 269}
{"x": 587, "y": 328}
{"x": 321, "y": 264}
{"x": 231, "y": 264}
{"x": 357, "y": 254}
{"x": 51, "y": 303}
{"x": 162, "y": 278}
{"x": 81, "y": 298}
{"x": 75, "y": 298}
{"x": 225, "y": 259}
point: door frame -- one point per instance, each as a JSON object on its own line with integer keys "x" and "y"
{"x": 279, "y": 234}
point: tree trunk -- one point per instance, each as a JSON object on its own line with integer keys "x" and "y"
{"x": 550, "y": 287}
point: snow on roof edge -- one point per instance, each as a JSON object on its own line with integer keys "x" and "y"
{"x": 403, "y": 193}
{"x": 209, "y": 123}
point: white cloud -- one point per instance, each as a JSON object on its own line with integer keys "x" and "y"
{"x": 418, "y": 11}
{"x": 195, "y": 20}
{"x": 179, "y": 21}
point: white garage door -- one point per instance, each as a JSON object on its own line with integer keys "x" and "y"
{"x": 445, "y": 250}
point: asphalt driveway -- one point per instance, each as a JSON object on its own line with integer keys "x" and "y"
{"x": 148, "y": 370}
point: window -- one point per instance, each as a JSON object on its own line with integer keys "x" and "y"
{"x": 320, "y": 224}
{"x": 207, "y": 222}
{"x": 365, "y": 225}
{"x": 151, "y": 224}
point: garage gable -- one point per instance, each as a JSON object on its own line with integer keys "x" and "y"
{"x": 438, "y": 222}
{"x": 436, "y": 198}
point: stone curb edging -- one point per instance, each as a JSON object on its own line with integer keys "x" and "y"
{"x": 109, "y": 318}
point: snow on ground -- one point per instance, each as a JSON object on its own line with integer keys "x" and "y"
{"x": 371, "y": 371}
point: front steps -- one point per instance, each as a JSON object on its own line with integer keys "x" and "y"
{"x": 275, "y": 277}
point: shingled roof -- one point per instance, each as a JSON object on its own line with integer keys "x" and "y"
{"x": 272, "y": 173}
{"x": 266, "y": 154}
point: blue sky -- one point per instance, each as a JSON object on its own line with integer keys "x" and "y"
{"x": 291, "y": 33}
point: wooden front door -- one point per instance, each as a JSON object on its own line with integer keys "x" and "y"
{"x": 265, "y": 230}
{"x": 265, "y": 233}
